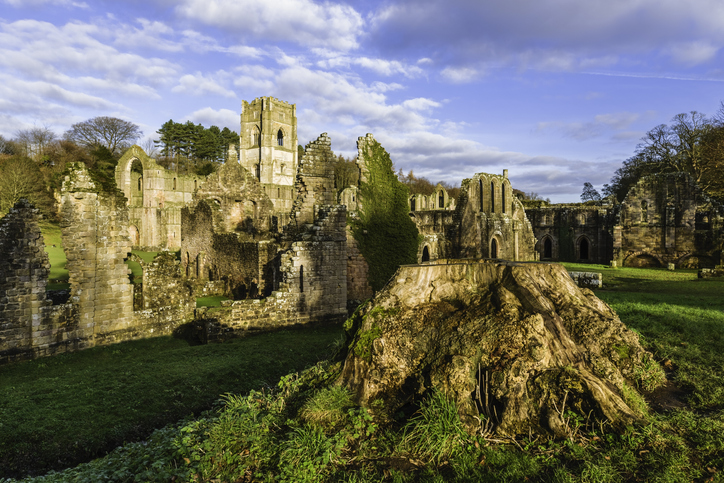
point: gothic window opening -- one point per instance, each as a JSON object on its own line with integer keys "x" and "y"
{"x": 493, "y": 248}
{"x": 480, "y": 185}
{"x": 425, "y": 255}
{"x": 412, "y": 204}
{"x": 583, "y": 249}
{"x": 644, "y": 211}
{"x": 547, "y": 248}
{"x": 441, "y": 200}
{"x": 280, "y": 138}
{"x": 492, "y": 198}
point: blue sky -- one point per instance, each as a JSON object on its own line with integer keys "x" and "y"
{"x": 559, "y": 92}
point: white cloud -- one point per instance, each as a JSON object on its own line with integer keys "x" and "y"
{"x": 199, "y": 84}
{"x": 42, "y": 3}
{"x": 693, "y": 53}
{"x": 215, "y": 117}
{"x": 300, "y": 21}
{"x": 460, "y": 75}
{"x": 602, "y": 124}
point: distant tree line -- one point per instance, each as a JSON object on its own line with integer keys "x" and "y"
{"x": 188, "y": 147}
{"x": 692, "y": 144}
{"x": 33, "y": 161}
{"x": 423, "y": 186}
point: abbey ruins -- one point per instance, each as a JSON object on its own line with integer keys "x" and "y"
{"x": 268, "y": 230}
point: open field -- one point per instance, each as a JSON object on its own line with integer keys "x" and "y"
{"x": 306, "y": 430}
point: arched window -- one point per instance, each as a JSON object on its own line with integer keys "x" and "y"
{"x": 644, "y": 211}
{"x": 547, "y": 248}
{"x": 583, "y": 249}
{"x": 425, "y": 255}
{"x": 441, "y": 200}
{"x": 412, "y": 203}
{"x": 280, "y": 138}
{"x": 480, "y": 183}
{"x": 493, "y": 248}
{"x": 502, "y": 193}
{"x": 492, "y": 198}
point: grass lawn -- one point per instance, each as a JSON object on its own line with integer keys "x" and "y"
{"x": 56, "y": 412}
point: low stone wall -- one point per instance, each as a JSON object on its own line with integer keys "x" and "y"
{"x": 587, "y": 279}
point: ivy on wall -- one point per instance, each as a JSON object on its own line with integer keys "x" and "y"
{"x": 386, "y": 235}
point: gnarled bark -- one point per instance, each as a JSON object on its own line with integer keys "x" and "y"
{"x": 516, "y": 343}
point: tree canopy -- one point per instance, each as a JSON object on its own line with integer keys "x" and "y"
{"x": 692, "y": 144}
{"x": 195, "y": 142}
{"x": 111, "y": 132}
{"x": 590, "y": 193}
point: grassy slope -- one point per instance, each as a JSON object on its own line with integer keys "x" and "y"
{"x": 55, "y": 412}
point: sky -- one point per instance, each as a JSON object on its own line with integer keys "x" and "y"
{"x": 559, "y": 92}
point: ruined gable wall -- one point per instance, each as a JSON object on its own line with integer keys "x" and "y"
{"x": 315, "y": 180}
{"x": 487, "y": 211}
{"x": 155, "y": 208}
{"x": 668, "y": 219}
{"x": 95, "y": 236}
{"x": 24, "y": 269}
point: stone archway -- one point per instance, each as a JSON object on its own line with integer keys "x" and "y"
{"x": 425, "y": 254}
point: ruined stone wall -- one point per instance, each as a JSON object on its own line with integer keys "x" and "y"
{"x": 663, "y": 219}
{"x": 229, "y": 234}
{"x": 95, "y": 237}
{"x": 358, "y": 287}
{"x": 488, "y": 222}
{"x": 24, "y": 269}
{"x": 668, "y": 219}
{"x": 573, "y": 232}
{"x": 438, "y": 200}
{"x": 315, "y": 180}
{"x": 154, "y": 197}
{"x": 94, "y": 225}
{"x": 313, "y": 286}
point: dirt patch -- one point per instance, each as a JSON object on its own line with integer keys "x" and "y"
{"x": 666, "y": 397}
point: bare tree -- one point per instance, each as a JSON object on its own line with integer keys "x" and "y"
{"x": 35, "y": 142}
{"x": 111, "y": 132}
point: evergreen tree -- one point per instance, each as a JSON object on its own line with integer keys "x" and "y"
{"x": 386, "y": 235}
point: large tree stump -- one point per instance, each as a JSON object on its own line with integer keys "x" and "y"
{"x": 515, "y": 344}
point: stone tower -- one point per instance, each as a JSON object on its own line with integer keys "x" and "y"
{"x": 268, "y": 147}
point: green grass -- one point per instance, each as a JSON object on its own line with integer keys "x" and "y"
{"x": 211, "y": 301}
{"x": 58, "y": 278}
{"x": 305, "y": 430}
{"x": 56, "y": 412}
